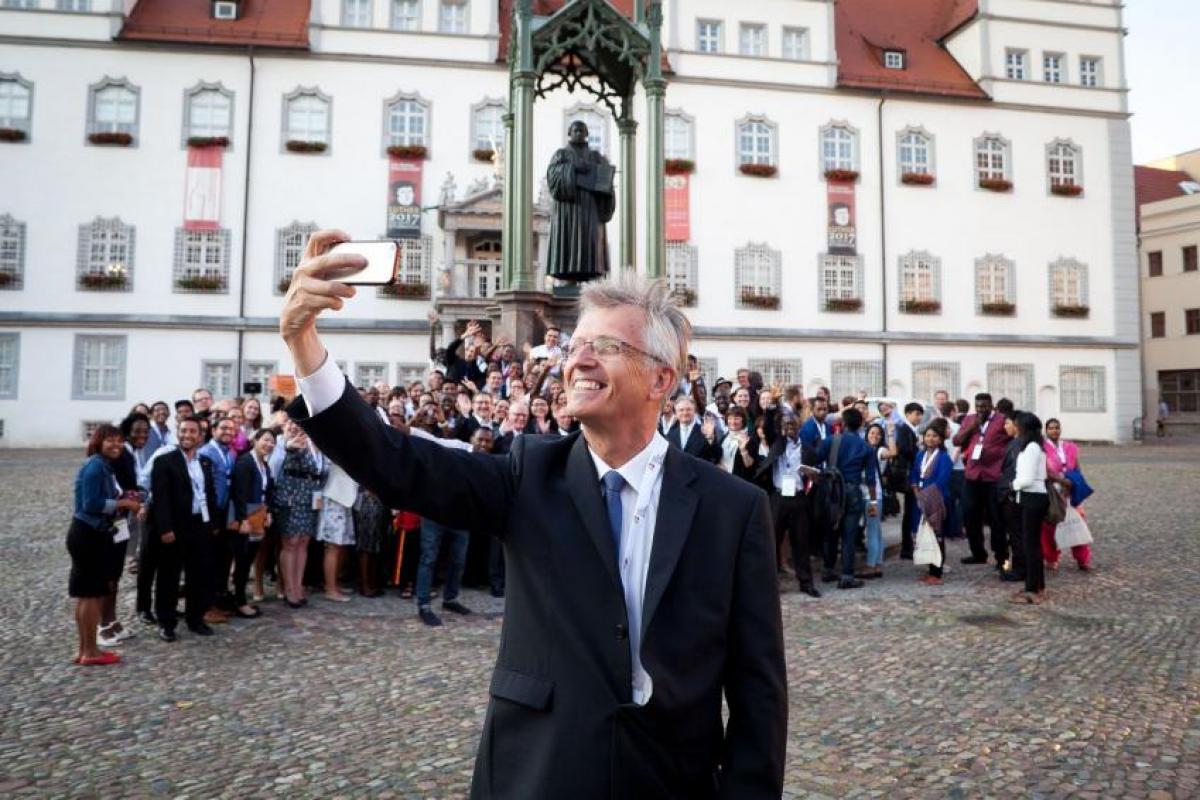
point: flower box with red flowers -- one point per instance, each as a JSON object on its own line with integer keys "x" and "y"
{"x": 408, "y": 151}
{"x": 301, "y": 146}
{"x": 484, "y": 154}
{"x": 922, "y": 306}
{"x": 208, "y": 141}
{"x": 843, "y": 304}
{"x": 917, "y": 179}
{"x": 200, "y": 283}
{"x": 103, "y": 280}
{"x": 684, "y": 297}
{"x": 752, "y": 298}
{"x": 7, "y": 279}
{"x": 1073, "y": 311}
{"x": 405, "y": 291}
{"x": 1066, "y": 189}
{"x": 998, "y": 309}
{"x": 679, "y": 166}
{"x": 758, "y": 170}
{"x": 113, "y": 138}
{"x": 285, "y": 283}
{"x": 841, "y": 174}
{"x": 995, "y": 184}
{"x": 12, "y": 135}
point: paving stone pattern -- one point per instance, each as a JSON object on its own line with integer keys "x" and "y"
{"x": 897, "y": 690}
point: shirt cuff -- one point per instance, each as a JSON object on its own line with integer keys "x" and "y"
{"x": 323, "y": 388}
{"x": 110, "y": 506}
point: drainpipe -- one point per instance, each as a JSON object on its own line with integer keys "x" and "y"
{"x": 241, "y": 334}
{"x": 883, "y": 283}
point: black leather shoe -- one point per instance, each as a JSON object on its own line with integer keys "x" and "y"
{"x": 850, "y": 583}
{"x": 497, "y": 592}
{"x": 973, "y": 560}
{"x": 456, "y": 607}
{"x": 828, "y": 577}
{"x": 167, "y": 635}
{"x": 811, "y": 591}
{"x": 1011, "y": 577}
{"x": 429, "y": 618}
{"x": 906, "y": 556}
{"x": 148, "y": 618}
{"x": 201, "y": 630}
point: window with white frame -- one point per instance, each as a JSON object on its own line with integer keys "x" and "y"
{"x": 839, "y": 148}
{"x": 752, "y": 39}
{"x": 406, "y": 15}
{"x": 841, "y": 282}
{"x": 217, "y": 377}
{"x": 1015, "y": 62}
{"x": 708, "y": 35}
{"x": 1068, "y": 284}
{"x": 1082, "y": 389}
{"x": 12, "y": 252}
{"x": 202, "y": 260}
{"x": 20, "y": 3}
{"x": 16, "y": 105}
{"x": 367, "y": 374}
{"x": 407, "y": 121}
{"x": 893, "y": 59}
{"x": 307, "y": 117}
{"x": 73, "y": 5}
{"x": 995, "y": 283}
{"x": 289, "y": 251}
{"x": 756, "y": 141}
{"x": 853, "y": 378}
{"x": 209, "y": 112}
{"x": 915, "y": 152}
{"x": 682, "y": 271}
{"x": 991, "y": 158}
{"x": 1062, "y": 163}
{"x": 778, "y": 371}
{"x": 114, "y": 108}
{"x": 260, "y": 372}
{"x": 224, "y": 9}
{"x": 1089, "y": 71}
{"x": 487, "y": 125}
{"x": 452, "y": 16}
{"x": 708, "y": 370}
{"x": 416, "y": 263}
{"x": 795, "y": 44}
{"x": 10, "y": 364}
{"x": 99, "y": 372}
{"x": 356, "y": 13}
{"x": 920, "y": 281}
{"x": 1014, "y": 381}
{"x": 408, "y": 373}
{"x": 104, "y": 257}
{"x": 931, "y": 376}
{"x": 597, "y": 125}
{"x": 677, "y": 135}
{"x": 757, "y": 270}
{"x": 1052, "y": 67}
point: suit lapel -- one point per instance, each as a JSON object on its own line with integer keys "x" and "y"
{"x": 583, "y": 486}
{"x": 676, "y": 508}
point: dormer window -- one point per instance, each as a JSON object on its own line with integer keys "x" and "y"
{"x": 893, "y": 59}
{"x": 224, "y": 9}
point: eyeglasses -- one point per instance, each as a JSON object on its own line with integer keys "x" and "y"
{"x": 607, "y": 347}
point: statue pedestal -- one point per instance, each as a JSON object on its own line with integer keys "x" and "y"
{"x": 521, "y": 315}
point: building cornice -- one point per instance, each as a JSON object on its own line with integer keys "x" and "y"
{"x": 1046, "y": 23}
{"x": 912, "y": 337}
{"x": 195, "y": 322}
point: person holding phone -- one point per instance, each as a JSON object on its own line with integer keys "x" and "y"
{"x": 739, "y": 448}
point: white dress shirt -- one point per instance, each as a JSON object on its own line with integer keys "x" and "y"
{"x": 685, "y": 431}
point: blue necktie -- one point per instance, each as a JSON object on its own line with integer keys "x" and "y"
{"x": 612, "y": 500}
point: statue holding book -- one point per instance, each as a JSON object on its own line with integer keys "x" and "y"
{"x": 581, "y": 186}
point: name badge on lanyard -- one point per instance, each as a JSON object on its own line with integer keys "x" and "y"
{"x": 789, "y": 486}
{"x": 977, "y": 450}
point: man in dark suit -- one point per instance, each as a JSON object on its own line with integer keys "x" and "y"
{"x": 184, "y": 510}
{"x": 480, "y": 417}
{"x": 908, "y": 442}
{"x": 791, "y": 504}
{"x": 641, "y": 584}
{"x": 688, "y": 433}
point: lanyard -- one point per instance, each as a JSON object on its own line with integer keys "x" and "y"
{"x": 927, "y": 463}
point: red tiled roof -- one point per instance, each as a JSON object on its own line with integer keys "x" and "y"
{"x": 262, "y": 23}
{"x": 543, "y": 8}
{"x": 865, "y": 28}
{"x": 1151, "y": 184}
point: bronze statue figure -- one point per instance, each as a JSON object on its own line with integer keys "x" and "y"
{"x": 581, "y": 185}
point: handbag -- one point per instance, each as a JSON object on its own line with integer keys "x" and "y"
{"x": 926, "y": 550}
{"x": 1056, "y": 511}
{"x": 1072, "y": 531}
{"x": 1080, "y": 489}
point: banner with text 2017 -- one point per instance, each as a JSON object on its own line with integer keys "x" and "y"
{"x": 842, "y": 234}
{"x": 404, "y": 198}
{"x": 676, "y": 197}
{"x": 202, "y": 189}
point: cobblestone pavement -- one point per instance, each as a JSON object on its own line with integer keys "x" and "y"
{"x": 896, "y": 690}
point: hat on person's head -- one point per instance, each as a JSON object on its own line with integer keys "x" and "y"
{"x": 725, "y": 381}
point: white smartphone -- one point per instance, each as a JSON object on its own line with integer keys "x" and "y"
{"x": 383, "y": 259}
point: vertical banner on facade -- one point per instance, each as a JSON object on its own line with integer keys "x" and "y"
{"x": 676, "y": 196}
{"x": 404, "y": 198}
{"x": 842, "y": 236}
{"x": 202, "y": 189}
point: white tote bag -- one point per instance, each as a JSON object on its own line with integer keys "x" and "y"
{"x": 1072, "y": 531}
{"x": 927, "y": 550}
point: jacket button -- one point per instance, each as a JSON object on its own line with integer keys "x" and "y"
{"x": 622, "y": 633}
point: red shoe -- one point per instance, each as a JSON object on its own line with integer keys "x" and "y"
{"x": 104, "y": 659}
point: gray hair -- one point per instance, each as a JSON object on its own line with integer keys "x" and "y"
{"x": 666, "y": 330}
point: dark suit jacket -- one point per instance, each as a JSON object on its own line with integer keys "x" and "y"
{"x": 171, "y": 493}
{"x": 560, "y": 722}
{"x": 246, "y": 488}
{"x": 696, "y": 445}
{"x": 466, "y": 428}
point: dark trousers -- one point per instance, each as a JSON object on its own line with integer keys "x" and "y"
{"x": 244, "y": 551}
{"x": 850, "y": 522}
{"x": 985, "y": 506}
{"x": 496, "y": 565}
{"x": 147, "y": 568}
{"x": 225, "y": 545}
{"x": 792, "y": 517}
{"x": 1011, "y": 512}
{"x": 192, "y": 554}
{"x": 954, "y": 513}
{"x": 1033, "y": 513}
{"x": 908, "y": 523}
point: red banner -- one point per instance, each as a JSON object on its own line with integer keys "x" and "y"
{"x": 676, "y": 197}
{"x": 404, "y": 197}
{"x": 202, "y": 189}
{"x": 842, "y": 236}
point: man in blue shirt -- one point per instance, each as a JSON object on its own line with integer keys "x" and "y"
{"x": 219, "y": 452}
{"x": 857, "y": 464}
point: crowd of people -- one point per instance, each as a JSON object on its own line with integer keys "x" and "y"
{"x": 228, "y": 497}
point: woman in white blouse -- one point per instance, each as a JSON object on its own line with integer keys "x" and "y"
{"x": 1029, "y": 487}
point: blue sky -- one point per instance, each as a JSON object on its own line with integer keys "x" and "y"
{"x": 1164, "y": 82}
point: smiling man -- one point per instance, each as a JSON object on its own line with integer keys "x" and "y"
{"x": 641, "y": 583}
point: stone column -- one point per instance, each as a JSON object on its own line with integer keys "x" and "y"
{"x": 520, "y": 227}
{"x": 627, "y": 126}
{"x": 656, "y": 95}
{"x": 506, "y": 262}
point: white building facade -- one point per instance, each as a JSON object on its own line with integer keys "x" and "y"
{"x": 969, "y": 262}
